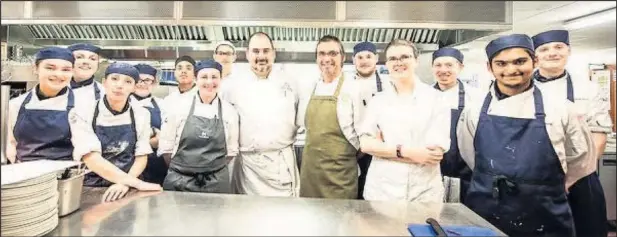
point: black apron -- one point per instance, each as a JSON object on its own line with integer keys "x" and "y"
{"x": 43, "y": 134}
{"x": 518, "y": 184}
{"x": 117, "y": 146}
{"x": 200, "y": 164}
{"x": 156, "y": 169}
{"x": 586, "y": 195}
{"x": 365, "y": 161}
{"x": 452, "y": 164}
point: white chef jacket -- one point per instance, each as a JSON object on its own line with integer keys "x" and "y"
{"x": 85, "y": 97}
{"x": 268, "y": 113}
{"x": 349, "y": 107}
{"x": 471, "y": 94}
{"x": 173, "y": 125}
{"x": 368, "y": 86}
{"x": 85, "y": 140}
{"x": 418, "y": 120}
{"x": 147, "y": 103}
{"x": 227, "y": 84}
{"x": 57, "y": 103}
{"x": 174, "y": 98}
{"x": 565, "y": 129}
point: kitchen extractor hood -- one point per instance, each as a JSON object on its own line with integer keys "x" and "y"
{"x": 152, "y": 30}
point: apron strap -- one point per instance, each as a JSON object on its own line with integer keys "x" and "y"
{"x": 154, "y": 104}
{"x": 378, "y": 81}
{"x": 71, "y": 100}
{"x": 131, "y": 114}
{"x": 339, "y": 86}
{"x": 538, "y": 103}
{"x": 461, "y": 95}
{"x": 23, "y": 104}
{"x": 97, "y": 91}
{"x": 570, "y": 93}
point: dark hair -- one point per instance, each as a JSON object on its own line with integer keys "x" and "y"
{"x": 330, "y": 38}
{"x": 402, "y": 42}
{"x": 262, "y": 34}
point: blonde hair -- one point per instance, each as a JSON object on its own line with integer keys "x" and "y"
{"x": 402, "y": 42}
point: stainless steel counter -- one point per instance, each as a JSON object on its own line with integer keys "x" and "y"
{"x": 182, "y": 214}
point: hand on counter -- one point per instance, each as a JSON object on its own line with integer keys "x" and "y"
{"x": 115, "y": 192}
{"x": 145, "y": 186}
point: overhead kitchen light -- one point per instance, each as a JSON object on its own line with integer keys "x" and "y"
{"x": 591, "y": 20}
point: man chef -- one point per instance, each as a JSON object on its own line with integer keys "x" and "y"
{"x": 586, "y": 196}
{"x": 407, "y": 132}
{"x": 112, "y": 137}
{"x": 365, "y": 59}
{"x": 87, "y": 90}
{"x": 332, "y": 116}
{"x": 522, "y": 146}
{"x": 200, "y": 138}
{"x": 185, "y": 75}
{"x": 266, "y": 102}
{"x": 225, "y": 54}
{"x": 447, "y": 65}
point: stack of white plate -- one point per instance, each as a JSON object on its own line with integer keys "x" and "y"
{"x": 30, "y": 207}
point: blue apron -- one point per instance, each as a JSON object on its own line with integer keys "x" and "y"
{"x": 97, "y": 91}
{"x": 117, "y": 146}
{"x": 156, "y": 169}
{"x": 586, "y": 197}
{"x": 452, "y": 164}
{"x": 365, "y": 161}
{"x": 43, "y": 134}
{"x": 518, "y": 184}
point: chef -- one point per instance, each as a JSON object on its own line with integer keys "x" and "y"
{"x": 87, "y": 90}
{"x": 522, "y": 146}
{"x": 365, "y": 59}
{"x": 225, "y": 54}
{"x": 266, "y": 102}
{"x": 329, "y": 163}
{"x": 586, "y": 196}
{"x": 112, "y": 138}
{"x": 156, "y": 169}
{"x": 185, "y": 75}
{"x": 407, "y": 132}
{"x": 200, "y": 138}
{"x": 38, "y": 125}
{"x": 447, "y": 65}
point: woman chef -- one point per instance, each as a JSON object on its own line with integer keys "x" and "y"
{"x": 156, "y": 169}
{"x": 522, "y": 147}
{"x": 87, "y": 90}
{"x": 447, "y": 65}
{"x": 200, "y": 137}
{"x": 407, "y": 132}
{"x": 38, "y": 125}
{"x": 112, "y": 137}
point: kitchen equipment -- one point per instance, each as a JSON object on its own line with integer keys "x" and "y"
{"x": 436, "y": 227}
{"x": 70, "y": 186}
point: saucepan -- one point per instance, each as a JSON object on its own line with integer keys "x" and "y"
{"x": 70, "y": 186}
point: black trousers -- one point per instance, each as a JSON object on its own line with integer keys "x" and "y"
{"x": 588, "y": 206}
{"x": 364, "y": 162}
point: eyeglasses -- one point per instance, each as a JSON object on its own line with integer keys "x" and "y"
{"x": 330, "y": 53}
{"x": 146, "y": 81}
{"x": 221, "y": 53}
{"x": 403, "y": 58}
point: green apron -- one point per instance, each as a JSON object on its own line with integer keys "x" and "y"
{"x": 329, "y": 165}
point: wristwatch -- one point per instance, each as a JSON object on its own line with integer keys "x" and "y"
{"x": 398, "y": 151}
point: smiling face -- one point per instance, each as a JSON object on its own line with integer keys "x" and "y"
{"x": 54, "y": 74}
{"x": 260, "y": 55}
{"x": 208, "y": 80}
{"x": 330, "y": 58}
{"x": 401, "y": 61}
{"x": 553, "y": 56}
{"x": 365, "y": 63}
{"x": 184, "y": 73}
{"x": 145, "y": 85}
{"x": 512, "y": 67}
{"x": 86, "y": 64}
{"x": 118, "y": 86}
{"x": 446, "y": 70}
